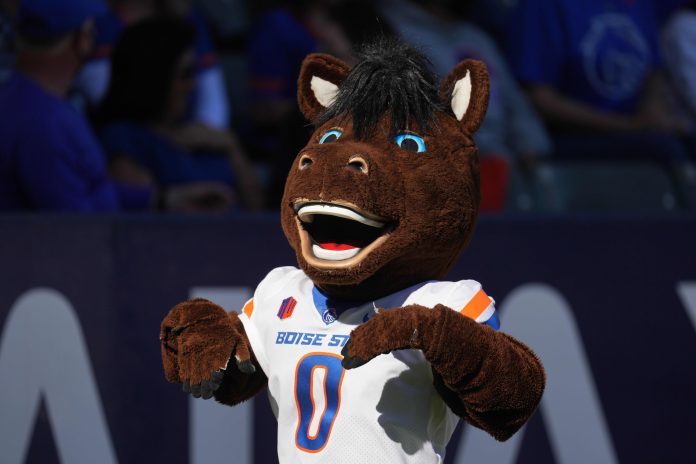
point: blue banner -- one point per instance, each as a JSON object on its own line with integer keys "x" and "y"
{"x": 608, "y": 304}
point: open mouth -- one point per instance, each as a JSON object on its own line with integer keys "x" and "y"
{"x": 337, "y": 235}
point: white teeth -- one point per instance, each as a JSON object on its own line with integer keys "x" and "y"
{"x": 306, "y": 214}
{"x": 333, "y": 255}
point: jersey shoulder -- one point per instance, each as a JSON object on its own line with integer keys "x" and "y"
{"x": 465, "y": 296}
{"x": 277, "y": 279}
{"x": 275, "y": 282}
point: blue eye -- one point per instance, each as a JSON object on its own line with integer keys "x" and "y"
{"x": 331, "y": 136}
{"x": 410, "y": 142}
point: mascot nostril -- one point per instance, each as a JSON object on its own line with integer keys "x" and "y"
{"x": 305, "y": 162}
{"x": 358, "y": 164}
{"x": 367, "y": 320}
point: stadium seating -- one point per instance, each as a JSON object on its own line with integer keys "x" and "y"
{"x": 602, "y": 186}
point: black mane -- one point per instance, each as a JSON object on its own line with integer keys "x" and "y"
{"x": 391, "y": 76}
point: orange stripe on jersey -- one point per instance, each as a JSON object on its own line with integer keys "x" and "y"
{"x": 476, "y": 305}
{"x": 249, "y": 308}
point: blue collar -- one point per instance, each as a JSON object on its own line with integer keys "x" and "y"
{"x": 329, "y": 309}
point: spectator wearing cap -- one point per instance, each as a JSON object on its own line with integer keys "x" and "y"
{"x": 50, "y": 159}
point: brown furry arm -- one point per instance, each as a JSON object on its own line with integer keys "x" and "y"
{"x": 486, "y": 377}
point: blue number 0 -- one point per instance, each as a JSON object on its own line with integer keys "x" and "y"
{"x": 304, "y": 378}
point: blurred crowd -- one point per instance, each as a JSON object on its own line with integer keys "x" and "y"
{"x": 190, "y": 105}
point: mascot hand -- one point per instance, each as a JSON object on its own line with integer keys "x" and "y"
{"x": 394, "y": 329}
{"x": 198, "y": 338}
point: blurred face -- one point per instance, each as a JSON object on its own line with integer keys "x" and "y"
{"x": 182, "y": 85}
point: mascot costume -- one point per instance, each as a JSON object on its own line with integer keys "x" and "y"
{"x": 368, "y": 356}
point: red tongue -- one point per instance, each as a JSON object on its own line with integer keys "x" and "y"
{"x": 337, "y": 246}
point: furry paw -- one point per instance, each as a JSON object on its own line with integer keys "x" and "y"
{"x": 393, "y": 329}
{"x": 198, "y": 340}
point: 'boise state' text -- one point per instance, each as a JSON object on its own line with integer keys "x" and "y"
{"x": 307, "y": 338}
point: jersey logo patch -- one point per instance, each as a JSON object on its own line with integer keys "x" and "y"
{"x": 328, "y": 316}
{"x": 286, "y": 308}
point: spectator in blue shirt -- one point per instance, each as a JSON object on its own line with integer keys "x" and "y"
{"x": 591, "y": 68}
{"x": 49, "y": 158}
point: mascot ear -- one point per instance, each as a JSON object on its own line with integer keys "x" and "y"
{"x": 317, "y": 87}
{"x": 466, "y": 91}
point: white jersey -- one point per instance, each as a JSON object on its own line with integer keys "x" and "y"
{"x": 384, "y": 411}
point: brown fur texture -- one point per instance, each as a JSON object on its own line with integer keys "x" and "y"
{"x": 487, "y": 377}
{"x": 198, "y": 338}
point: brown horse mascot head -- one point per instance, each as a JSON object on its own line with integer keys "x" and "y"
{"x": 386, "y": 192}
